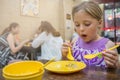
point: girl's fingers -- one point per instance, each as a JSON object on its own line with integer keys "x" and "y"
{"x": 111, "y": 52}
{"x": 110, "y": 60}
{"x": 66, "y": 44}
{"x": 110, "y": 56}
{"x": 109, "y": 64}
{"x": 71, "y": 43}
{"x": 65, "y": 48}
{"x": 118, "y": 43}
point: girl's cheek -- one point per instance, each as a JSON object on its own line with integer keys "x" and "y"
{"x": 78, "y": 33}
{"x": 77, "y": 30}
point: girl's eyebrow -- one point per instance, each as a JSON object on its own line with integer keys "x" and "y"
{"x": 75, "y": 22}
{"x": 87, "y": 21}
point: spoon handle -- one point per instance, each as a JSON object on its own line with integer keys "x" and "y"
{"x": 52, "y": 60}
{"x": 69, "y": 55}
{"x": 91, "y": 56}
{"x": 114, "y": 47}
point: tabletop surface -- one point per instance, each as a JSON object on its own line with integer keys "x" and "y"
{"x": 89, "y": 73}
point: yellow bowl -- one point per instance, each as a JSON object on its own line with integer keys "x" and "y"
{"x": 65, "y": 67}
{"x": 23, "y": 70}
{"x": 31, "y": 77}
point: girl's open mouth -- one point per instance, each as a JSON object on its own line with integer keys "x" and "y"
{"x": 84, "y": 36}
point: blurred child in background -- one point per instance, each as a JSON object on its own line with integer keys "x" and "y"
{"x": 49, "y": 40}
{"x": 10, "y": 45}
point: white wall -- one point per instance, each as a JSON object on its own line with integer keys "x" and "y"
{"x": 68, "y": 4}
{"x": 10, "y": 12}
{"x": 53, "y": 11}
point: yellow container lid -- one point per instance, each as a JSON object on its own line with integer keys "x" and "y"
{"x": 23, "y": 68}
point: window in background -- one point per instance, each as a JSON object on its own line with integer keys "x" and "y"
{"x": 112, "y": 21}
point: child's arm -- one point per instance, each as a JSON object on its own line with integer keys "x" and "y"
{"x": 11, "y": 43}
{"x": 39, "y": 40}
{"x": 111, "y": 56}
{"x": 17, "y": 39}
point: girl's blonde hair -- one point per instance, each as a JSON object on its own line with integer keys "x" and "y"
{"x": 11, "y": 26}
{"x": 47, "y": 27}
{"x": 90, "y": 7}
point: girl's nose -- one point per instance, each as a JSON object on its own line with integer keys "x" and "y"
{"x": 81, "y": 28}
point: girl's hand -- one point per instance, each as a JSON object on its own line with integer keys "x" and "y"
{"x": 65, "y": 48}
{"x": 26, "y": 41}
{"x": 111, "y": 58}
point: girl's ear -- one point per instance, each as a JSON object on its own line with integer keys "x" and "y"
{"x": 100, "y": 22}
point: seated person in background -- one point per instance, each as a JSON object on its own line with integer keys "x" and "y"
{"x": 37, "y": 33}
{"x": 49, "y": 40}
{"x": 17, "y": 39}
{"x": 87, "y": 17}
{"x": 9, "y": 50}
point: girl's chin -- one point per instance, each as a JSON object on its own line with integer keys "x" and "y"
{"x": 86, "y": 40}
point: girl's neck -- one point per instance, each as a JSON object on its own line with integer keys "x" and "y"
{"x": 95, "y": 39}
{"x": 12, "y": 33}
{"x": 98, "y": 37}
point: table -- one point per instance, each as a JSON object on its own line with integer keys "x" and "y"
{"x": 29, "y": 50}
{"x": 32, "y": 52}
{"x": 89, "y": 73}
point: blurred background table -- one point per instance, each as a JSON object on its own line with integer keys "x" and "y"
{"x": 32, "y": 52}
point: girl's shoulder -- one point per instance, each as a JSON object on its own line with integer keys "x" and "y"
{"x": 11, "y": 35}
{"x": 103, "y": 40}
{"x": 42, "y": 35}
{"x": 5, "y": 35}
{"x": 109, "y": 44}
{"x": 43, "y": 32}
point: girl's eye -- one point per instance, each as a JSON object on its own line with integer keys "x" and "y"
{"x": 77, "y": 25}
{"x": 87, "y": 25}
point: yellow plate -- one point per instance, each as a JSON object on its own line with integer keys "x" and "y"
{"x": 65, "y": 67}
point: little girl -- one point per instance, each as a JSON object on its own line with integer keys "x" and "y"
{"x": 49, "y": 40}
{"x": 87, "y": 18}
